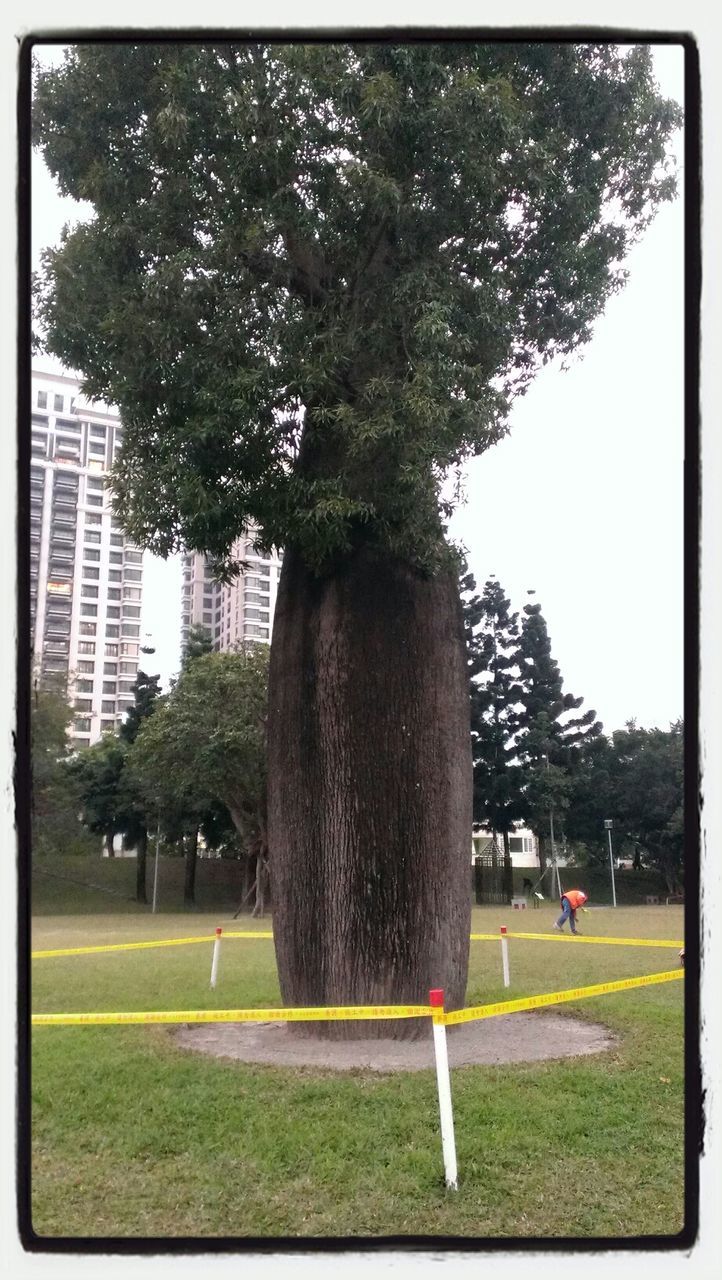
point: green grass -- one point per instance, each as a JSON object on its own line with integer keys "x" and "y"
{"x": 134, "y": 1137}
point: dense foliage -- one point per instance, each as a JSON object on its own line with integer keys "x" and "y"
{"x": 317, "y": 275}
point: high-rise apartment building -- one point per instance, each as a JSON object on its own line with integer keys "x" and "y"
{"x": 86, "y": 577}
{"x": 238, "y": 611}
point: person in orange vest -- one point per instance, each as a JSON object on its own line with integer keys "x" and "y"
{"x": 571, "y": 901}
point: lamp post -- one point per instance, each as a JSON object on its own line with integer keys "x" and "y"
{"x": 608, "y": 824}
{"x": 155, "y": 872}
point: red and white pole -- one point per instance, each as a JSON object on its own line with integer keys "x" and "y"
{"x": 505, "y": 955}
{"x": 443, "y": 1085}
{"x": 216, "y": 954}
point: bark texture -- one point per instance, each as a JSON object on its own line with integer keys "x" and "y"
{"x": 370, "y": 790}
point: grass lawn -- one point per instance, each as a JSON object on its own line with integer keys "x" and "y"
{"x": 134, "y": 1137}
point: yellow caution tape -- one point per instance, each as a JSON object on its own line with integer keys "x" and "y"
{"x": 558, "y": 997}
{"x": 356, "y": 1012}
{"x": 320, "y": 1014}
{"x": 138, "y": 946}
{"x": 579, "y": 938}
{"x": 257, "y": 933}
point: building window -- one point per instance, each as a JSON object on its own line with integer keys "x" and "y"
{"x": 109, "y": 686}
{"x": 85, "y": 647}
{"x": 42, "y": 399}
{"x": 116, "y": 539}
{"x": 116, "y": 557}
{"x": 94, "y": 500}
{"x": 128, "y": 668}
{"x": 130, "y": 629}
{"x": 97, "y": 431}
{"x": 92, "y": 555}
{"x": 92, "y": 484}
{"x": 92, "y": 519}
{"x": 129, "y": 650}
{"x": 86, "y": 667}
{"x": 111, "y": 650}
{"x": 87, "y": 629}
{"x": 90, "y": 592}
{"x": 113, "y": 610}
{"x": 208, "y": 618}
{"x": 90, "y": 573}
{"x": 134, "y": 557}
{"x": 131, "y": 611}
{"x": 107, "y": 708}
{"x": 82, "y": 724}
{"x": 114, "y": 593}
{"x": 134, "y": 575}
{"x": 112, "y": 629}
{"x": 91, "y": 535}
{"x": 115, "y": 575}
{"x": 107, "y": 726}
{"x": 110, "y": 668}
{"x": 131, "y": 593}
{"x": 58, "y": 404}
{"x": 84, "y": 686}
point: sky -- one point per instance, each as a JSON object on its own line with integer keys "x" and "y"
{"x": 581, "y": 503}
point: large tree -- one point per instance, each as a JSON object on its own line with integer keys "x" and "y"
{"x": 316, "y": 278}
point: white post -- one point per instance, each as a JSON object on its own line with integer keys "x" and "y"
{"x": 216, "y": 954}
{"x": 155, "y": 873}
{"x": 443, "y": 1085}
{"x": 504, "y": 955}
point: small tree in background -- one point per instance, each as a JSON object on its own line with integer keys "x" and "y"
{"x": 548, "y": 732}
{"x": 97, "y": 773}
{"x": 54, "y": 801}
{"x": 207, "y": 742}
{"x": 493, "y": 637}
{"x": 199, "y": 642}
{"x": 146, "y": 691}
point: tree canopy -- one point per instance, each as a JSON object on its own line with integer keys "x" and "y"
{"x": 206, "y": 741}
{"x": 318, "y": 274}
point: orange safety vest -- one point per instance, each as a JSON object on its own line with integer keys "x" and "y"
{"x": 575, "y": 898}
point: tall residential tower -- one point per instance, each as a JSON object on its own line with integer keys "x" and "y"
{"x": 86, "y": 577}
{"x": 239, "y": 611}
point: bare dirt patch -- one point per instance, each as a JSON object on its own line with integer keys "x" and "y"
{"x": 519, "y": 1037}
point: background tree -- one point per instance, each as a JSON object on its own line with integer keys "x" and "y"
{"x": 650, "y": 795}
{"x": 96, "y": 773}
{"x": 55, "y": 804}
{"x": 146, "y": 690}
{"x": 549, "y": 734}
{"x": 199, "y": 642}
{"x": 316, "y": 278}
{"x": 493, "y": 643}
{"x": 207, "y": 742}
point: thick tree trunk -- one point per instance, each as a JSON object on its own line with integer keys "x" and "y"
{"x": 140, "y": 866}
{"x": 189, "y": 880}
{"x": 109, "y": 838}
{"x": 370, "y": 795}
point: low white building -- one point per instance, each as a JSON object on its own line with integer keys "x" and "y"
{"x": 523, "y": 845}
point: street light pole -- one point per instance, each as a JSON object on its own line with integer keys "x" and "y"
{"x": 608, "y": 824}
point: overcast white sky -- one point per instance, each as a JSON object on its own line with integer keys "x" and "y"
{"x": 582, "y": 502}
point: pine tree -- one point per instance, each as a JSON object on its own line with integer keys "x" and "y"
{"x": 493, "y": 636}
{"x": 549, "y": 734}
{"x": 199, "y": 641}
